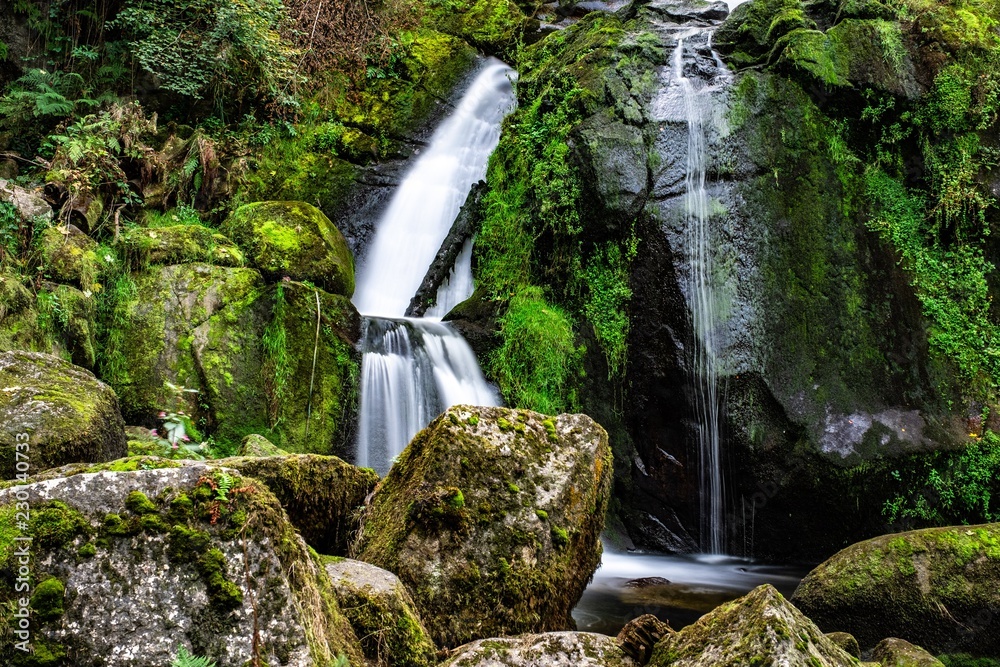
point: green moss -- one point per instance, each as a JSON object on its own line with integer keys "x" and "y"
{"x": 138, "y": 503}
{"x": 542, "y": 514}
{"x": 88, "y": 550}
{"x": 47, "y": 600}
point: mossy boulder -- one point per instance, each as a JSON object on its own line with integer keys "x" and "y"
{"x": 934, "y": 587}
{"x": 491, "y": 25}
{"x": 760, "y": 628}
{"x": 59, "y": 412}
{"x": 321, "y": 494}
{"x": 179, "y": 244}
{"x": 491, "y": 519}
{"x": 257, "y": 445}
{"x": 30, "y": 204}
{"x": 382, "y": 614}
{"x": 893, "y": 652}
{"x": 69, "y": 316}
{"x": 295, "y": 240}
{"x": 551, "y": 649}
{"x": 70, "y": 256}
{"x": 155, "y": 559}
{"x": 846, "y": 641}
{"x": 18, "y": 317}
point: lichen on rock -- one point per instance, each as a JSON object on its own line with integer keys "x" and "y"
{"x": 551, "y": 649}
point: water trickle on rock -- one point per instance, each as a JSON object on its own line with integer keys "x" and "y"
{"x": 413, "y": 369}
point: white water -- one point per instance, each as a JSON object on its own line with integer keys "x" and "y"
{"x": 428, "y": 200}
{"x": 414, "y": 369}
{"x": 457, "y": 287}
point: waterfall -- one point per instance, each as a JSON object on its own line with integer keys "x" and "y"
{"x": 703, "y": 300}
{"x": 413, "y": 369}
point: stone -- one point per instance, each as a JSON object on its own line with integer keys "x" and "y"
{"x": 893, "y": 652}
{"x": 30, "y": 205}
{"x": 382, "y": 614}
{"x": 179, "y": 244}
{"x": 491, "y": 517}
{"x": 129, "y": 566}
{"x": 321, "y": 494}
{"x": 846, "y": 641}
{"x": 933, "y": 586}
{"x": 70, "y": 256}
{"x": 258, "y": 445}
{"x": 295, "y": 240}
{"x": 760, "y": 628}
{"x": 614, "y": 158}
{"x": 60, "y": 412}
{"x": 640, "y": 635}
{"x": 550, "y": 649}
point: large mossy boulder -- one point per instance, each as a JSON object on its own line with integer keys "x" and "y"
{"x": 760, "y": 628}
{"x": 69, "y": 256}
{"x": 246, "y": 348}
{"x": 53, "y": 413}
{"x": 321, "y": 494}
{"x": 938, "y": 587}
{"x": 295, "y": 240}
{"x": 382, "y": 614}
{"x": 128, "y": 566}
{"x": 491, "y": 519}
{"x": 18, "y": 317}
{"x": 551, "y": 649}
{"x": 893, "y": 652}
{"x": 179, "y": 244}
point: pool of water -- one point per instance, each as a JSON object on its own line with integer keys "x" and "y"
{"x": 677, "y": 589}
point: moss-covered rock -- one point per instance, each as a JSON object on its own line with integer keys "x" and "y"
{"x": 846, "y": 641}
{"x": 180, "y": 244}
{"x": 760, "y": 628}
{"x": 53, "y": 413}
{"x": 932, "y": 587}
{"x": 18, "y": 318}
{"x": 70, "y": 256}
{"x": 295, "y": 240}
{"x": 382, "y": 614}
{"x": 894, "y": 652}
{"x": 551, "y": 649}
{"x": 69, "y": 317}
{"x": 492, "y": 25}
{"x": 459, "y": 520}
{"x": 321, "y": 494}
{"x": 29, "y": 203}
{"x": 257, "y": 446}
{"x": 152, "y": 559}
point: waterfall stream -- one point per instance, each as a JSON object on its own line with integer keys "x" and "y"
{"x": 413, "y": 369}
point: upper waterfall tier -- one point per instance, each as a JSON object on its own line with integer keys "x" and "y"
{"x": 429, "y": 198}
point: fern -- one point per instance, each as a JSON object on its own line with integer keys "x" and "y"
{"x": 225, "y": 483}
{"x": 185, "y": 659}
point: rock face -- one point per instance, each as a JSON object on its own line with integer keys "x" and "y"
{"x": 182, "y": 243}
{"x": 551, "y": 649}
{"x": 246, "y": 347}
{"x": 935, "y": 587}
{"x": 296, "y": 240}
{"x": 894, "y": 652}
{"x": 491, "y": 519}
{"x": 382, "y": 614}
{"x": 61, "y": 412}
{"x": 760, "y": 628}
{"x": 321, "y": 494}
{"x": 130, "y": 565}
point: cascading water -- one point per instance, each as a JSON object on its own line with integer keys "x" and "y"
{"x": 413, "y": 369}
{"x": 457, "y": 287}
{"x": 692, "y": 100}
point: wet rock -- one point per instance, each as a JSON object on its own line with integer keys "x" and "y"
{"x": 894, "y": 652}
{"x": 491, "y": 518}
{"x": 551, "y": 649}
{"x": 758, "y": 628}
{"x": 640, "y": 635}
{"x": 60, "y": 412}
{"x": 30, "y": 205}
{"x": 934, "y": 587}
{"x": 613, "y": 159}
{"x": 295, "y": 240}
{"x": 127, "y": 566}
{"x": 686, "y": 11}
{"x": 182, "y": 243}
{"x": 321, "y": 494}
{"x": 646, "y": 582}
{"x": 382, "y": 614}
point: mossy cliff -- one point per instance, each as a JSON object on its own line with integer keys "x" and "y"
{"x": 931, "y": 587}
{"x": 491, "y": 519}
{"x": 129, "y": 565}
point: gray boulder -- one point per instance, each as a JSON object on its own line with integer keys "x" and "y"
{"x": 551, "y": 649}
{"x": 894, "y": 652}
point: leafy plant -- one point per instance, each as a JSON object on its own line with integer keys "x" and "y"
{"x": 185, "y": 659}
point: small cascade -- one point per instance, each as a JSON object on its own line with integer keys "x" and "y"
{"x": 413, "y": 369}
{"x": 691, "y": 99}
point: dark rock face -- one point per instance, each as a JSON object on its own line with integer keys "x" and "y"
{"x": 934, "y": 587}
{"x": 53, "y": 413}
{"x": 491, "y": 519}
